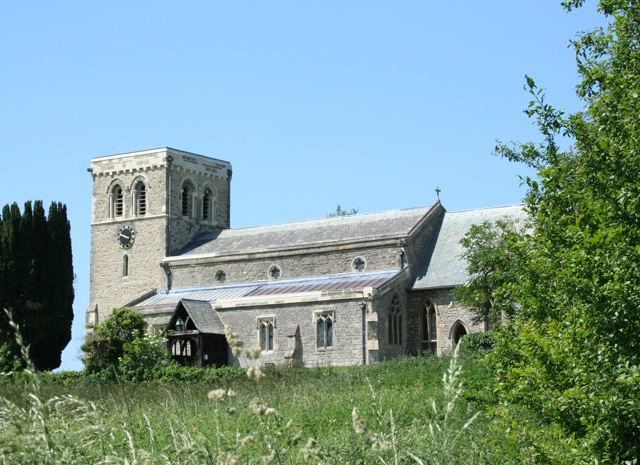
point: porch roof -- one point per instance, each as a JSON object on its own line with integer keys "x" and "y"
{"x": 204, "y": 317}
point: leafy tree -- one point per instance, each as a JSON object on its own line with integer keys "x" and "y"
{"x": 121, "y": 345}
{"x": 571, "y": 354}
{"x": 36, "y": 281}
{"x": 495, "y": 254}
{"x": 340, "y": 212}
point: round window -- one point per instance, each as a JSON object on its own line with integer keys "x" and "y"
{"x": 274, "y": 272}
{"x": 359, "y": 264}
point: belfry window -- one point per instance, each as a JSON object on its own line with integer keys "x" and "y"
{"x": 208, "y": 211}
{"x": 141, "y": 199}
{"x": 394, "y": 326}
{"x": 429, "y": 327}
{"x": 187, "y": 200}
{"x": 118, "y": 201}
{"x": 125, "y": 266}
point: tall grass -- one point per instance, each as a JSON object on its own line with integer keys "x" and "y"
{"x": 402, "y": 411}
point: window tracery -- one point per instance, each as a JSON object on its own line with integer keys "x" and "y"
{"x": 265, "y": 333}
{"x": 394, "y": 326}
{"x": 324, "y": 330}
{"x": 429, "y": 327}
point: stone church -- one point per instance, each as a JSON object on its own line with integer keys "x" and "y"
{"x": 342, "y": 290}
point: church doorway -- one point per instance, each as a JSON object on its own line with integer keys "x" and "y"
{"x": 458, "y": 332}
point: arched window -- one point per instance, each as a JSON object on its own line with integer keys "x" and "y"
{"x": 208, "y": 205}
{"x": 265, "y": 335}
{"x": 324, "y": 330}
{"x": 429, "y": 327}
{"x": 394, "y": 326}
{"x": 117, "y": 199}
{"x": 140, "y": 202}
{"x": 187, "y": 199}
{"x": 125, "y": 266}
{"x": 489, "y": 322}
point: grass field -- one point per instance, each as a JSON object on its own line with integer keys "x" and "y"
{"x": 393, "y": 412}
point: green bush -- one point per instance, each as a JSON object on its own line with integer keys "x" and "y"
{"x": 121, "y": 347}
{"x": 478, "y": 343}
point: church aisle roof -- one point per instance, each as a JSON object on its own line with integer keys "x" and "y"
{"x": 367, "y": 226}
{"x": 442, "y": 265}
{"x": 339, "y": 282}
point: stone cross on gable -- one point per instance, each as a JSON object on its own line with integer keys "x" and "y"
{"x": 438, "y": 193}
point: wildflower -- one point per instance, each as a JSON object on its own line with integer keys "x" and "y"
{"x": 227, "y": 459}
{"x": 375, "y": 445}
{"x": 236, "y": 351}
{"x": 254, "y": 353}
{"x": 358, "y": 424}
{"x": 217, "y": 394}
{"x": 257, "y": 407}
{"x": 231, "y": 411}
{"x": 248, "y": 440}
{"x": 269, "y": 458}
{"x": 231, "y": 393}
{"x": 270, "y": 412}
{"x": 309, "y": 450}
{"x": 255, "y": 373}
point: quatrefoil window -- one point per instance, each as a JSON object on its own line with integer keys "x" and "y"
{"x": 274, "y": 272}
{"x": 359, "y": 264}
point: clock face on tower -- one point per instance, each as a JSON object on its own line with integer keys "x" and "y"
{"x": 126, "y": 236}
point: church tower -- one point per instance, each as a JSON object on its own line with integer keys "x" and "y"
{"x": 146, "y": 206}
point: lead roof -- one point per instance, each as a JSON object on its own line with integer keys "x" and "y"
{"x": 339, "y": 282}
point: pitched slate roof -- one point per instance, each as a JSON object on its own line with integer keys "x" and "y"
{"x": 350, "y": 228}
{"x": 442, "y": 265}
{"x": 204, "y": 317}
{"x": 338, "y": 282}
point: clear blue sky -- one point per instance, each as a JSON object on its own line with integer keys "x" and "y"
{"x": 366, "y": 104}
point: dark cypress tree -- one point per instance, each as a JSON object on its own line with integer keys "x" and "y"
{"x": 5, "y": 333}
{"x": 58, "y": 314}
{"x": 12, "y": 280}
{"x": 36, "y": 281}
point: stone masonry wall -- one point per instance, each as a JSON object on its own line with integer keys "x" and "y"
{"x": 347, "y": 333}
{"x": 154, "y": 179}
{"x": 252, "y": 270}
{"x": 381, "y": 307}
{"x": 416, "y": 249}
{"x": 185, "y": 228}
{"x": 447, "y": 315}
{"x": 109, "y": 288}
